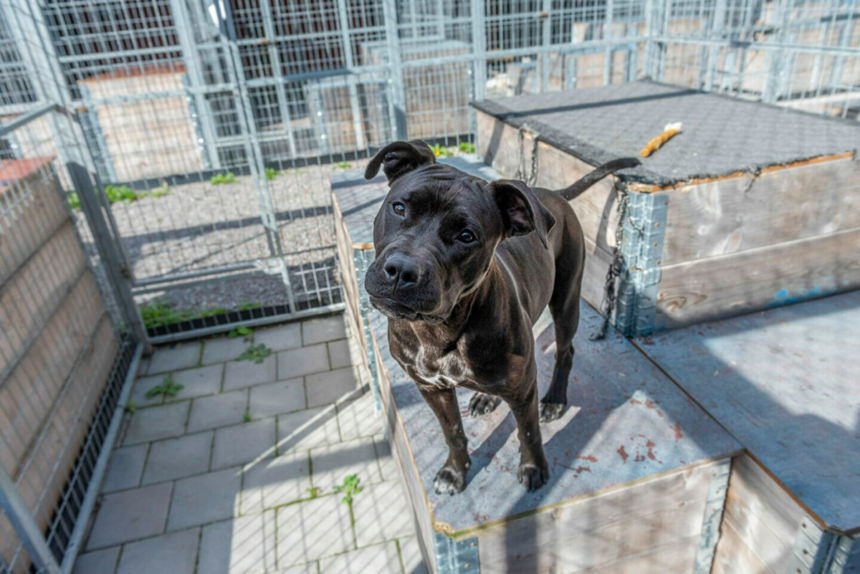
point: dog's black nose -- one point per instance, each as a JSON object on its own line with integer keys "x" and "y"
{"x": 401, "y": 270}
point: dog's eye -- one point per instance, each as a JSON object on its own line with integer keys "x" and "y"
{"x": 466, "y": 236}
{"x": 398, "y": 208}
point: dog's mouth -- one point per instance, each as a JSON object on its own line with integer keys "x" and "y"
{"x": 395, "y": 310}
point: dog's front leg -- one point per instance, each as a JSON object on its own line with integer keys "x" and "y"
{"x": 534, "y": 470}
{"x": 451, "y": 479}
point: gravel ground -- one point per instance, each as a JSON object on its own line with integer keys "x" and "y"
{"x": 201, "y": 226}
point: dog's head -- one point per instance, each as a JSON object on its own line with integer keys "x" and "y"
{"x": 437, "y": 231}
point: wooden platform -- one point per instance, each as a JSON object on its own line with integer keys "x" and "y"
{"x": 735, "y": 214}
{"x": 786, "y": 384}
{"x": 639, "y": 463}
{"x": 638, "y": 471}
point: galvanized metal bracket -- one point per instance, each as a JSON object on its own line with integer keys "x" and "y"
{"x": 845, "y": 556}
{"x": 456, "y": 557}
{"x": 812, "y": 547}
{"x": 642, "y": 250}
{"x": 362, "y": 260}
{"x": 714, "y": 506}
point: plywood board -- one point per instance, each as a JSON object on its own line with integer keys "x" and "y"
{"x": 67, "y": 426}
{"x": 626, "y": 422}
{"x": 34, "y": 291}
{"x": 784, "y": 383}
{"x": 734, "y": 215}
{"x": 758, "y": 279}
{"x": 29, "y": 392}
{"x": 37, "y": 217}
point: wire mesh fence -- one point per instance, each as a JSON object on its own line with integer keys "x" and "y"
{"x": 213, "y": 126}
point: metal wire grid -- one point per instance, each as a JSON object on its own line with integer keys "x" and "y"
{"x": 57, "y": 346}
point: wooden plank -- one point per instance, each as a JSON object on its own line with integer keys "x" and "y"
{"x": 733, "y": 556}
{"x": 351, "y": 289}
{"x": 752, "y": 280}
{"x": 595, "y": 532}
{"x": 68, "y": 424}
{"x": 26, "y": 228}
{"x": 399, "y": 442}
{"x": 33, "y": 292}
{"x": 28, "y": 394}
{"x": 597, "y": 262}
{"x": 734, "y": 215}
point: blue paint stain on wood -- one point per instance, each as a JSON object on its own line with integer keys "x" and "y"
{"x": 787, "y": 297}
{"x": 786, "y": 383}
{"x": 626, "y": 421}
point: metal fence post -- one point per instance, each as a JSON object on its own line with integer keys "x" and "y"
{"x": 395, "y": 80}
{"x": 479, "y": 49}
{"x": 607, "y": 57}
{"x": 24, "y": 525}
{"x": 343, "y": 22}
{"x": 547, "y": 40}
{"x": 119, "y": 276}
{"x": 184, "y": 33}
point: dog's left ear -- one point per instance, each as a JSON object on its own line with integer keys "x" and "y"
{"x": 399, "y": 158}
{"x": 522, "y": 213}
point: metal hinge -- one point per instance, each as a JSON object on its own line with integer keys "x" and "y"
{"x": 714, "y": 506}
{"x": 456, "y": 557}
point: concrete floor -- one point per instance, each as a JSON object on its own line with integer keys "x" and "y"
{"x": 234, "y": 474}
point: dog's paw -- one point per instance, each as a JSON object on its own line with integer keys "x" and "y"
{"x": 532, "y": 477}
{"x": 450, "y": 481}
{"x": 481, "y": 404}
{"x": 551, "y": 411}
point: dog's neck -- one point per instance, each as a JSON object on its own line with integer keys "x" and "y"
{"x": 475, "y": 307}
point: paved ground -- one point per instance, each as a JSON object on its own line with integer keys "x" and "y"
{"x": 234, "y": 475}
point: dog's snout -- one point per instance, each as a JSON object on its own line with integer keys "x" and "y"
{"x": 401, "y": 270}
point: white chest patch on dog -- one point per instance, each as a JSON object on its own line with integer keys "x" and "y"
{"x": 444, "y": 372}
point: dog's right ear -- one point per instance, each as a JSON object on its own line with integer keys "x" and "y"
{"x": 399, "y": 158}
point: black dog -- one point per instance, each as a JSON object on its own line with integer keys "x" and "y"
{"x": 463, "y": 269}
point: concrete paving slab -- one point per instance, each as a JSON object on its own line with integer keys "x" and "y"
{"x": 271, "y": 483}
{"x": 304, "y": 361}
{"x": 129, "y": 515}
{"x": 174, "y": 358}
{"x": 223, "y": 349}
{"x": 314, "y": 529}
{"x": 307, "y": 429}
{"x": 218, "y": 411}
{"x": 382, "y": 513}
{"x": 179, "y": 457}
{"x": 125, "y": 468}
{"x": 280, "y": 338}
{"x": 199, "y": 382}
{"x": 325, "y": 388}
{"x": 243, "y": 443}
{"x": 357, "y": 419}
{"x": 332, "y": 463}
{"x": 244, "y": 545}
{"x": 379, "y": 559}
{"x": 206, "y": 498}
{"x": 324, "y": 329}
{"x": 156, "y": 423}
{"x": 174, "y": 553}
{"x": 277, "y": 398}
{"x": 242, "y": 374}
{"x": 98, "y": 562}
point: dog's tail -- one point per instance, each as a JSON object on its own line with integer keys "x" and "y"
{"x": 599, "y": 173}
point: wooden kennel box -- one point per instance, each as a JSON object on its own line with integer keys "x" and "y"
{"x": 780, "y": 381}
{"x": 638, "y": 471}
{"x": 751, "y": 206}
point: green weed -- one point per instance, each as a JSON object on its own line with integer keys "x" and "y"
{"x": 167, "y": 388}
{"x": 240, "y": 332}
{"x": 256, "y": 353}
{"x": 349, "y": 488}
{"x": 467, "y": 147}
{"x": 223, "y": 178}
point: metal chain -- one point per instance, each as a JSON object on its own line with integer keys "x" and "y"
{"x": 520, "y": 174}
{"x": 615, "y": 270}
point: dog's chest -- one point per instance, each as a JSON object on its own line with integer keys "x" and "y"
{"x": 444, "y": 371}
